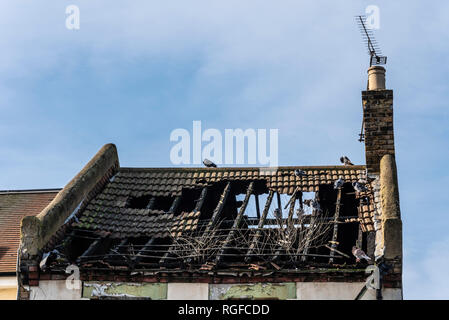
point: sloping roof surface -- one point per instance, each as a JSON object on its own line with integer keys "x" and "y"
{"x": 14, "y": 205}
{"x": 108, "y": 211}
{"x": 196, "y": 219}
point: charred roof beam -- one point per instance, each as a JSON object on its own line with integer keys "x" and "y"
{"x": 198, "y": 206}
{"x": 262, "y": 219}
{"x": 334, "y": 243}
{"x": 236, "y": 223}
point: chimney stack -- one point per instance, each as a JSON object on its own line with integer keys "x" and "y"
{"x": 377, "y": 119}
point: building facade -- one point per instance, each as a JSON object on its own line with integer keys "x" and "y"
{"x": 224, "y": 233}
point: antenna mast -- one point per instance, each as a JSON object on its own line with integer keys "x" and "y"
{"x": 373, "y": 51}
{"x": 373, "y": 47}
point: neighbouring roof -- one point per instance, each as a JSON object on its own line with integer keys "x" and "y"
{"x": 14, "y": 205}
{"x": 201, "y": 218}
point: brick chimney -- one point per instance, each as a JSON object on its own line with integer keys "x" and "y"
{"x": 377, "y": 119}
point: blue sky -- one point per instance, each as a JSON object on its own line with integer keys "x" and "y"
{"x": 134, "y": 72}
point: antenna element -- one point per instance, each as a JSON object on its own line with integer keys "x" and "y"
{"x": 373, "y": 47}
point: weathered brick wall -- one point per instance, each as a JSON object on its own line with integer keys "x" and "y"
{"x": 378, "y": 124}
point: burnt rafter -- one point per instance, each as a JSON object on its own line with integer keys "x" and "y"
{"x": 262, "y": 219}
{"x": 256, "y": 199}
{"x": 301, "y": 208}
{"x": 200, "y": 201}
{"x": 198, "y": 207}
{"x": 115, "y": 251}
{"x": 142, "y": 252}
{"x": 278, "y": 197}
{"x": 290, "y": 225}
{"x": 91, "y": 250}
{"x": 315, "y": 213}
{"x": 236, "y": 223}
{"x": 292, "y": 202}
{"x": 151, "y": 203}
{"x": 175, "y": 205}
{"x": 292, "y": 198}
{"x": 219, "y": 208}
{"x": 334, "y": 243}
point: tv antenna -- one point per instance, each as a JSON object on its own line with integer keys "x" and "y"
{"x": 374, "y": 52}
{"x": 368, "y": 37}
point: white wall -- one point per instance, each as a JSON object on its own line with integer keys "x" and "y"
{"x": 8, "y": 288}
{"x": 340, "y": 291}
{"x": 55, "y": 290}
{"x": 8, "y": 282}
{"x": 188, "y": 291}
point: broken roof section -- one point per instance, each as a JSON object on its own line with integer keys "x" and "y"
{"x": 206, "y": 219}
{"x": 14, "y": 205}
{"x": 123, "y": 207}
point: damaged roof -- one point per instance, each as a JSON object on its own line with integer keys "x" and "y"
{"x": 108, "y": 211}
{"x": 14, "y": 205}
{"x": 202, "y": 218}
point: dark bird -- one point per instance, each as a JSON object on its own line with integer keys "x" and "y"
{"x": 209, "y": 163}
{"x": 359, "y": 187}
{"x": 48, "y": 258}
{"x": 314, "y": 204}
{"x": 339, "y": 183}
{"x": 359, "y": 254}
{"x": 300, "y": 173}
{"x": 345, "y": 160}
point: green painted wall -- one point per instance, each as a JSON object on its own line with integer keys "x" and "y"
{"x": 155, "y": 291}
{"x": 280, "y": 291}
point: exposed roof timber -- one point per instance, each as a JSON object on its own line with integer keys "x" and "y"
{"x": 312, "y": 222}
{"x": 200, "y": 201}
{"x": 175, "y": 204}
{"x": 141, "y": 253}
{"x": 260, "y": 226}
{"x": 91, "y": 249}
{"x": 334, "y": 244}
{"x": 237, "y": 221}
{"x": 292, "y": 202}
{"x": 256, "y": 198}
{"x": 219, "y": 208}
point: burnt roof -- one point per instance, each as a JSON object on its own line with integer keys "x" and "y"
{"x": 141, "y": 216}
{"x": 108, "y": 211}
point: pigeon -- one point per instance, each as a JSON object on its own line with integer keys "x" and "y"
{"x": 345, "y": 160}
{"x": 359, "y": 187}
{"x": 313, "y": 204}
{"x": 48, "y": 258}
{"x": 300, "y": 173}
{"x": 209, "y": 163}
{"x": 364, "y": 200}
{"x": 359, "y": 254}
{"x": 278, "y": 213}
{"x": 339, "y": 183}
{"x": 316, "y": 206}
